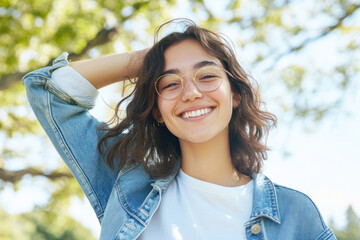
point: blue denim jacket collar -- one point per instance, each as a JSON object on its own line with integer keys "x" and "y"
{"x": 164, "y": 182}
{"x": 142, "y": 207}
{"x": 265, "y": 203}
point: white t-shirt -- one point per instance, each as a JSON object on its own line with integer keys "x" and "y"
{"x": 194, "y": 209}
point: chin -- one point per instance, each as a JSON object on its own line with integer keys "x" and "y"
{"x": 198, "y": 138}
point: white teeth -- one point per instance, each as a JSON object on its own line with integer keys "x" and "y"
{"x": 196, "y": 113}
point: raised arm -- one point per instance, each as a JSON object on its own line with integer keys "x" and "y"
{"x": 103, "y": 71}
{"x": 61, "y": 99}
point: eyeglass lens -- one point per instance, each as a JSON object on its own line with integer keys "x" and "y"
{"x": 207, "y": 78}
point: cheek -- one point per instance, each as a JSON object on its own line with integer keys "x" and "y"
{"x": 225, "y": 93}
{"x": 165, "y": 108}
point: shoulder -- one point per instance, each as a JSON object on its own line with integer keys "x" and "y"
{"x": 295, "y": 199}
{"x": 295, "y": 203}
{"x": 297, "y": 208}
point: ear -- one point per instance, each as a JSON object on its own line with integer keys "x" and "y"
{"x": 157, "y": 115}
{"x": 236, "y": 100}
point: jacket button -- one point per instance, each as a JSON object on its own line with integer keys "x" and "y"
{"x": 255, "y": 229}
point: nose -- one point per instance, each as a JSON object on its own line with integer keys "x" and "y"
{"x": 190, "y": 91}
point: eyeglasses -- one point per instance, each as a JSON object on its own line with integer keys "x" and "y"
{"x": 208, "y": 78}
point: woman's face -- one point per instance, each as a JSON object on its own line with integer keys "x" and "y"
{"x": 181, "y": 115}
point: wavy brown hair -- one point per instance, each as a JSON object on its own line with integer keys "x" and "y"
{"x": 155, "y": 146}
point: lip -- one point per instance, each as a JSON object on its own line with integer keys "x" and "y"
{"x": 207, "y": 109}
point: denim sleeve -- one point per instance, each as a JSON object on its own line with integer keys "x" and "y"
{"x": 74, "y": 84}
{"x": 73, "y": 131}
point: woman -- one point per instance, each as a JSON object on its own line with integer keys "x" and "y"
{"x": 185, "y": 161}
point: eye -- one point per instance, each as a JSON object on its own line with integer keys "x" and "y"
{"x": 207, "y": 77}
{"x": 209, "y": 73}
{"x": 171, "y": 85}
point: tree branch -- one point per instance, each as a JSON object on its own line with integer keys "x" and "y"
{"x": 349, "y": 11}
{"x": 16, "y": 176}
{"x": 10, "y": 79}
{"x": 104, "y": 36}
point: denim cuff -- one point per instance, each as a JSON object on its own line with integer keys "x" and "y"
{"x": 72, "y": 82}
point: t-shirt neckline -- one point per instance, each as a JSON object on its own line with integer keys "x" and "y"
{"x": 201, "y": 185}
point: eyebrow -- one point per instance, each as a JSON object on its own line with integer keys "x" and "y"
{"x": 196, "y": 66}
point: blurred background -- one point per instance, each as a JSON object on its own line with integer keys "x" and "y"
{"x": 304, "y": 54}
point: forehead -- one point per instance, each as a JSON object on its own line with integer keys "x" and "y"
{"x": 185, "y": 55}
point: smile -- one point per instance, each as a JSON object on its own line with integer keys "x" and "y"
{"x": 196, "y": 113}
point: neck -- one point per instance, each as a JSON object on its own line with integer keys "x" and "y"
{"x": 211, "y": 161}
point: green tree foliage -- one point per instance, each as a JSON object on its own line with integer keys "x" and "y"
{"x": 36, "y": 225}
{"x": 351, "y": 231}
{"x": 271, "y": 36}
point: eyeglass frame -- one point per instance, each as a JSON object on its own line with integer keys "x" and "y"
{"x": 193, "y": 80}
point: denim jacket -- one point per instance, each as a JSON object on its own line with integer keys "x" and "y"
{"x": 125, "y": 201}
